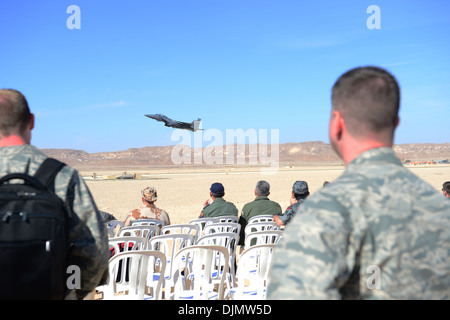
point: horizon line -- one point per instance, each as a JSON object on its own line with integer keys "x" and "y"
{"x": 246, "y": 144}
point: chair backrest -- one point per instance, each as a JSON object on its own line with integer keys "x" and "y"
{"x": 111, "y": 227}
{"x": 261, "y": 218}
{"x": 262, "y": 237}
{"x": 140, "y": 231}
{"x": 260, "y": 226}
{"x": 226, "y": 240}
{"x": 128, "y": 274}
{"x": 148, "y": 222}
{"x": 197, "y": 269}
{"x": 202, "y": 222}
{"x": 254, "y": 266}
{"x": 180, "y": 229}
{"x": 224, "y": 219}
{"x": 127, "y": 243}
{"x": 222, "y": 228}
{"x": 169, "y": 245}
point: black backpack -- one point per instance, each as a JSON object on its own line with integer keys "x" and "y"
{"x": 34, "y": 242}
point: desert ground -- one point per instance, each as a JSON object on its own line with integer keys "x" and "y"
{"x": 183, "y": 191}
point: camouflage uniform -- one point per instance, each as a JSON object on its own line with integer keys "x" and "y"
{"x": 300, "y": 191}
{"x": 287, "y": 216}
{"x": 87, "y": 230}
{"x": 377, "y": 232}
{"x": 148, "y": 211}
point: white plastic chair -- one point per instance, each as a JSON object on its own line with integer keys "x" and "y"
{"x": 140, "y": 231}
{"x": 226, "y": 240}
{"x": 202, "y": 222}
{"x": 227, "y": 219}
{"x": 260, "y": 218}
{"x": 260, "y": 226}
{"x": 262, "y": 237}
{"x": 128, "y": 243}
{"x": 181, "y": 228}
{"x": 111, "y": 227}
{"x": 252, "y": 273}
{"x": 222, "y": 228}
{"x": 169, "y": 245}
{"x": 128, "y": 273}
{"x": 199, "y": 272}
{"x": 148, "y": 222}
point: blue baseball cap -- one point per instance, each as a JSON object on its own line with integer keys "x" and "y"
{"x": 217, "y": 188}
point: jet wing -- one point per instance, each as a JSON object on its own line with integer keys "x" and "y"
{"x": 183, "y": 125}
{"x": 193, "y": 126}
{"x": 159, "y": 117}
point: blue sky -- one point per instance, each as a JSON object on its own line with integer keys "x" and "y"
{"x": 250, "y": 64}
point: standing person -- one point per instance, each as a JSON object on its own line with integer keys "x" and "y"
{"x": 300, "y": 192}
{"x": 148, "y": 210}
{"x": 87, "y": 234}
{"x": 262, "y": 205}
{"x": 219, "y": 207}
{"x": 378, "y": 231}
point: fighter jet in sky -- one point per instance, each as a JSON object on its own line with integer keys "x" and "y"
{"x": 193, "y": 126}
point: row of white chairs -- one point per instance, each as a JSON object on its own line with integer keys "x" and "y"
{"x": 153, "y": 227}
{"x": 199, "y": 273}
{"x": 111, "y": 225}
{"x": 256, "y": 233}
{"x": 170, "y": 240}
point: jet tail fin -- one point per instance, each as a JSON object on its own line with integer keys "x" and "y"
{"x": 197, "y": 124}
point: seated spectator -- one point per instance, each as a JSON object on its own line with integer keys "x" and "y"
{"x": 446, "y": 189}
{"x": 300, "y": 192}
{"x": 219, "y": 207}
{"x": 260, "y": 206}
{"x": 148, "y": 210}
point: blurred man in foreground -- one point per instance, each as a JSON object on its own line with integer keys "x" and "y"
{"x": 378, "y": 231}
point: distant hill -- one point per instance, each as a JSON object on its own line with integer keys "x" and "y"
{"x": 304, "y": 153}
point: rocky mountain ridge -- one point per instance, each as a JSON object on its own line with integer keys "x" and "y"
{"x": 303, "y": 153}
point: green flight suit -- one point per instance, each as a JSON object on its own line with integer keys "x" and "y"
{"x": 219, "y": 208}
{"x": 262, "y": 205}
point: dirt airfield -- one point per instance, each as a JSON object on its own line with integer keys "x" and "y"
{"x": 183, "y": 191}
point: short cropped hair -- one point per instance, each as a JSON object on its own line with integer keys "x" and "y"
{"x": 368, "y": 99}
{"x": 446, "y": 186}
{"x": 262, "y": 188}
{"x": 217, "y": 195}
{"x": 14, "y": 112}
{"x": 301, "y": 196}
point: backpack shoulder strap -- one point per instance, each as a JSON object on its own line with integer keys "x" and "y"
{"x": 47, "y": 172}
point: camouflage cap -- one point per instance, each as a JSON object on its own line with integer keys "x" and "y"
{"x": 300, "y": 187}
{"x": 149, "y": 194}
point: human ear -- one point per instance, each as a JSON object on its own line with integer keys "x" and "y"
{"x": 336, "y": 126}
{"x": 397, "y": 122}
